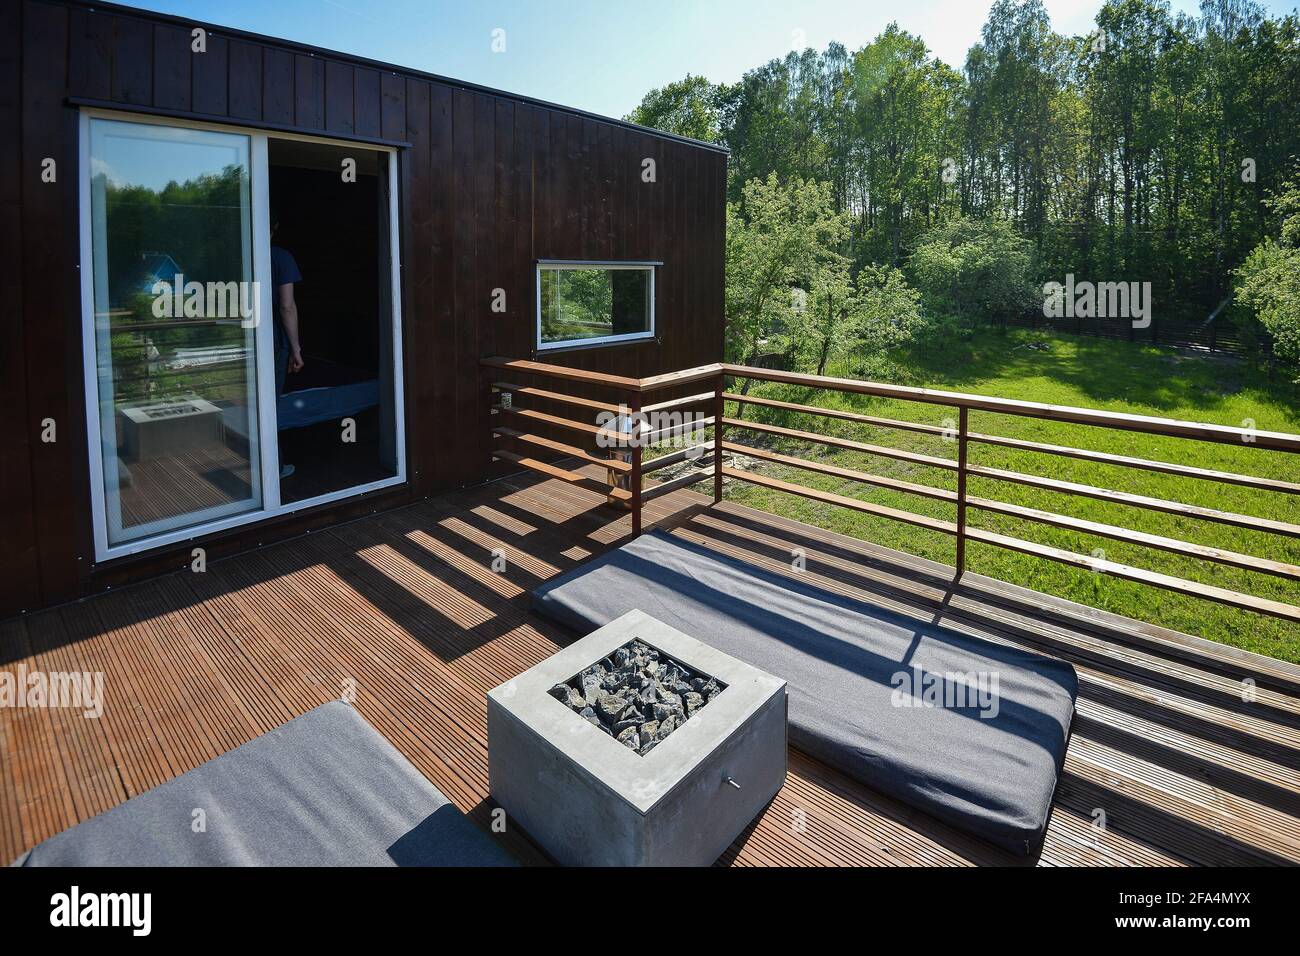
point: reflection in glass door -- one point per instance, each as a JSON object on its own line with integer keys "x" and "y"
{"x": 175, "y": 316}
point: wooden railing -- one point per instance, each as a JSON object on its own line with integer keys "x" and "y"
{"x": 626, "y": 472}
{"x": 621, "y": 430}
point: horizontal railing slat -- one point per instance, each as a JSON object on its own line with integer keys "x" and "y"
{"x": 1144, "y": 464}
{"x": 672, "y": 458}
{"x": 563, "y": 474}
{"x": 1138, "y": 501}
{"x": 684, "y": 377}
{"x": 843, "y": 501}
{"x": 673, "y": 484}
{"x": 1033, "y": 549}
{"x": 676, "y": 431}
{"x": 835, "y": 471}
{"x": 560, "y": 422}
{"x": 1173, "y": 545}
{"x": 1209, "y": 592}
{"x": 559, "y": 397}
{"x": 563, "y": 448}
{"x": 846, "y": 443}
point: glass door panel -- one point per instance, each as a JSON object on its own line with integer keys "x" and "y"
{"x": 175, "y": 317}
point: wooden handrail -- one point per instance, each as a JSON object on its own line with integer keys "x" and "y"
{"x": 621, "y": 382}
{"x": 525, "y": 367}
{"x": 835, "y": 413}
{"x": 1202, "y": 431}
{"x": 685, "y": 377}
{"x": 634, "y": 495}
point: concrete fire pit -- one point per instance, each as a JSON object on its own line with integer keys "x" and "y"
{"x": 591, "y": 800}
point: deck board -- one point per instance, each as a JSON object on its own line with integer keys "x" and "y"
{"x": 406, "y": 608}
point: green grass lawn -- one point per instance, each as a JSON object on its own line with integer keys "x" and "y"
{"x": 1080, "y": 371}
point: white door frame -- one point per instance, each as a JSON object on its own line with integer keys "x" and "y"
{"x": 268, "y": 451}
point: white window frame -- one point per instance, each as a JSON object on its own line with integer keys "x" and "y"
{"x": 565, "y": 264}
{"x": 272, "y": 507}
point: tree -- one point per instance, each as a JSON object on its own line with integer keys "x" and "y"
{"x": 779, "y": 238}
{"x": 1123, "y": 76}
{"x": 1140, "y": 150}
{"x": 827, "y": 323}
{"x": 1014, "y": 73}
{"x": 1268, "y": 282}
{"x": 889, "y": 313}
{"x": 779, "y": 117}
{"x": 902, "y": 101}
{"x": 688, "y": 107}
{"x": 862, "y": 318}
{"x": 974, "y": 268}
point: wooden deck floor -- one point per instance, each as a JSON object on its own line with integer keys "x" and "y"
{"x": 405, "y": 605}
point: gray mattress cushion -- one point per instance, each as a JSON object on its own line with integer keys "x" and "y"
{"x": 324, "y": 789}
{"x": 990, "y": 770}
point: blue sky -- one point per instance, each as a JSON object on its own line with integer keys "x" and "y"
{"x": 604, "y": 56}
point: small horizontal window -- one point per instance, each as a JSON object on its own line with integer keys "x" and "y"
{"x": 593, "y": 303}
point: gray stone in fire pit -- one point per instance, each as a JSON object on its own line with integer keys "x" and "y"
{"x": 675, "y": 785}
{"x": 638, "y": 678}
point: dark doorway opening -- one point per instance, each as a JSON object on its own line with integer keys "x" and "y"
{"x": 336, "y": 416}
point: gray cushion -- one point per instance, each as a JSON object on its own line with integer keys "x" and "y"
{"x": 989, "y": 770}
{"x": 325, "y": 789}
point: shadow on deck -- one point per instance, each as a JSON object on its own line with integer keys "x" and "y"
{"x": 1167, "y": 763}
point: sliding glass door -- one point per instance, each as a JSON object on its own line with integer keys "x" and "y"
{"x": 196, "y": 424}
{"x": 175, "y": 326}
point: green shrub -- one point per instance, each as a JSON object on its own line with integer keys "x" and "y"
{"x": 974, "y": 269}
{"x": 1268, "y": 282}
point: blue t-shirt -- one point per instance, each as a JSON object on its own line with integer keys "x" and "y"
{"x": 284, "y": 271}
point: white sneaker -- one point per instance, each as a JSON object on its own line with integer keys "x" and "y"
{"x": 285, "y": 471}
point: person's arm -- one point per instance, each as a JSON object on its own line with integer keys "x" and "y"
{"x": 289, "y": 318}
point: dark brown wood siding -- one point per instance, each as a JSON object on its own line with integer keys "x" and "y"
{"x": 490, "y": 184}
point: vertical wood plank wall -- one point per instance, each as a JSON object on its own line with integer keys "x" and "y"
{"x": 490, "y": 183}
